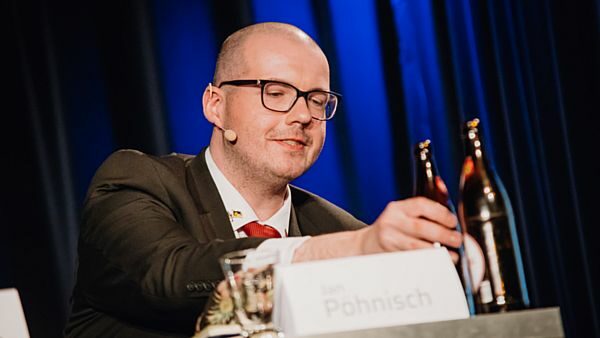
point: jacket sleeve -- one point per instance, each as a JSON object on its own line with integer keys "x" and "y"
{"x": 136, "y": 261}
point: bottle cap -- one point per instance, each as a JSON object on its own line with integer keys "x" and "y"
{"x": 423, "y": 147}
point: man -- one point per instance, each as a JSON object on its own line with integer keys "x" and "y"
{"x": 154, "y": 228}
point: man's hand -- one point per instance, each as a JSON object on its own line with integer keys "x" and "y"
{"x": 414, "y": 223}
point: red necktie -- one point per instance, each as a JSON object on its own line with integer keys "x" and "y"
{"x": 255, "y": 229}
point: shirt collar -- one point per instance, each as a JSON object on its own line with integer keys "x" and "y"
{"x": 239, "y": 211}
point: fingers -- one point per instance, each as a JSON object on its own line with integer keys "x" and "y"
{"x": 433, "y": 232}
{"x": 426, "y": 208}
{"x": 423, "y": 219}
{"x": 401, "y": 241}
{"x": 414, "y": 223}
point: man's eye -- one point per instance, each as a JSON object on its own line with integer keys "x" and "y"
{"x": 275, "y": 94}
{"x": 317, "y": 101}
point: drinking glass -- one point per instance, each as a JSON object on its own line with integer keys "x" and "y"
{"x": 249, "y": 276}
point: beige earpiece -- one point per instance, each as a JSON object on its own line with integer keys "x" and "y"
{"x": 230, "y": 135}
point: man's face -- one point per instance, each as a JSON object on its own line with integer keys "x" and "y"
{"x": 275, "y": 145}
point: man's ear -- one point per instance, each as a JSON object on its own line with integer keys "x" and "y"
{"x": 212, "y": 103}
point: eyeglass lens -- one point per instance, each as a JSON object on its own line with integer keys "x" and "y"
{"x": 281, "y": 97}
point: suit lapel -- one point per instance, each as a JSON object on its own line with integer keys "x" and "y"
{"x": 213, "y": 216}
{"x": 308, "y": 217}
{"x": 304, "y": 226}
{"x": 294, "y": 227}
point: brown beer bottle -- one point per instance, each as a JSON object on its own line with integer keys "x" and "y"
{"x": 484, "y": 212}
{"x": 428, "y": 183}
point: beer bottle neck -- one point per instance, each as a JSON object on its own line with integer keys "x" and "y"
{"x": 480, "y": 168}
{"x": 425, "y": 173}
{"x": 428, "y": 183}
{"x": 474, "y": 148}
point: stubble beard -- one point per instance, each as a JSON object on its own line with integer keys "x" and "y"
{"x": 255, "y": 171}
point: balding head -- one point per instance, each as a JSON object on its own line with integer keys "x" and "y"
{"x": 231, "y": 62}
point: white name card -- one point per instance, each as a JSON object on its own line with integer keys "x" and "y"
{"x": 367, "y": 292}
{"x": 12, "y": 319}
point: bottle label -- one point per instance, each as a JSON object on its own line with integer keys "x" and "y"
{"x": 476, "y": 261}
{"x": 485, "y": 292}
{"x": 498, "y": 278}
{"x": 492, "y": 255}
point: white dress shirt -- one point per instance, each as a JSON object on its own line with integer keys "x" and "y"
{"x": 241, "y": 213}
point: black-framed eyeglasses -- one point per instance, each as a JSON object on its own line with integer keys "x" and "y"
{"x": 280, "y": 96}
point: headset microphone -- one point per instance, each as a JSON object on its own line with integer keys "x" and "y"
{"x": 229, "y": 134}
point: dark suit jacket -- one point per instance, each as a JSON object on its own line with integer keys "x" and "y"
{"x": 152, "y": 231}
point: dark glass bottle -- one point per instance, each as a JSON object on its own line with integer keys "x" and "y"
{"x": 428, "y": 183}
{"x": 484, "y": 212}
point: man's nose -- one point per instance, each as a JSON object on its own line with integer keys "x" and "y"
{"x": 300, "y": 112}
